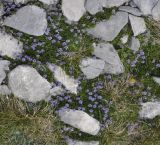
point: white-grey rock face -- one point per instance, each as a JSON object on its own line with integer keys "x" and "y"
{"x": 20, "y": 1}
{"x": 107, "y": 53}
{"x": 132, "y": 4}
{"x": 109, "y": 29}
{"x": 92, "y": 67}
{"x": 73, "y": 10}
{"x": 27, "y": 84}
{"x": 145, "y": 6}
{"x": 29, "y": 19}
{"x": 56, "y": 91}
{"x": 156, "y": 12}
{"x": 114, "y": 3}
{"x": 4, "y": 66}
{"x": 9, "y": 46}
{"x": 138, "y": 25}
{"x": 133, "y": 11}
{"x": 59, "y": 74}
{"x": 157, "y": 80}
{"x": 80, "y": 120}
{"x": 49, "y": 2}
{"x": 76, "y": 142}
{"x": 93, "y": 6}
{"x": 150, "y": 110}
{"x": 134, "y": 44}
{"x": 4, "y": 90}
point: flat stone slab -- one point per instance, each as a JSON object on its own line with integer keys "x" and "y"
{"x": 134, "y": 44}
{"x": 59, "y": 74}
{"x": 157, "y": 80}
{"x": 4, "y": 90}
{"x": 109, "y": 55}
{"x": 27, "y": 84}
{"x": 156, "y": 12}
{"x": 150, "y": 110}
{"x": 92, "y": 67}
{"x": 73, "y": 10}
{"x": 49, "y": 2}
{"x": 138, "y": 25}
{"x": 56, "y": 91}
{"x": 109, "y": 29}
{"x": 9, "y": 46}
{"x": 80, "y": 120}
{"x": 93, "y": 6}
{"x": 4, "y": 66}
{"x": 145, "y": 6}
{"x": 113, "y": 3}
{"x": 133, "y": 11}
{"x": 29, "y": 19}
{"x": 20, "y": 1}
{"x": 76, "y": 142}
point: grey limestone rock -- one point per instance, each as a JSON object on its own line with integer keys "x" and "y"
{"x": 156, "y": 12}
{"x": 9, "y": 46}
{"x": 109, "y": 55}
{"x": 109, "y": 29}
{"x": 150, "y": 110}
{"x": 73, "y": 10}
{"x": 134, "y": 44}
{"x": 133, "y": 11}
{"x": 27, "y": 84}
{"x": 80, "y": 120}
{"x": 145, "y": 6}
{"x": 138, "y": 25}
{"x": 92, "y": 67}
{"x": 76, "y": 142}
{"x": 29, "y": 19}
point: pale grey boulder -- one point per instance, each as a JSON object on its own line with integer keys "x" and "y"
{"x": 92, "y": 67}
{"x": 49, "y": 2}
{"x": 56, "y": 91}
{"x": 114, "y": 3}
{"x": 134, "y": 44}
{"x": 29, "y": 19}
{"x": 68, "y": 82}
{"x": 9, "y": 46}
{"x": 156, "y": 12}
{"x": 27, "y": 84}
{"x": 145, "y": 6}
{"x": 132, "y": 4}
{"x": 93, "y": 6}
{"x": 4, "y": 66}
{"x": 138, "y": 25}
{"x": 73, "y": 10}
{"x": 157, "y": 80}
{"x": 80, "y": 120}
{"x": 150, "y": 110}
{"x": 20, "y": 1}
{"x": 133, "y": 11}
{"x": 109, "y": 29}
{"x": 109, "y": 55}
{"x": 76, "y": 142}
{"x": 4, "y": 90}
